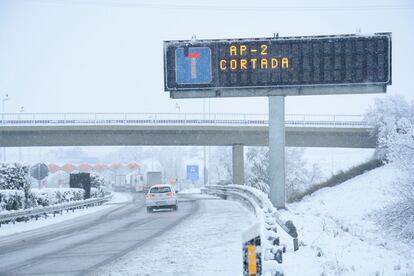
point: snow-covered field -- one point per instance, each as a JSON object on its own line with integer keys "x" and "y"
{"x": 19, "y": 227}
{"x": 208, "y": 243}
{"x": 338, "y": 232}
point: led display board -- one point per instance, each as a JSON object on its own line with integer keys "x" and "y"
{"x": 277, "y": 62}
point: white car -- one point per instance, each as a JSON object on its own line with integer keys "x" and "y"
{"x": 161, "y": 196}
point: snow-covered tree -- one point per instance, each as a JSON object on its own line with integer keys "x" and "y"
{"x": 298, "y": 175}
{"x": 220, "y": 165}
{"x": 14, "y": 177}
{"x": 383, "y": 116}
{"x": 393, "y": 118}
{"x": 257, "y": 164}
{"x": 96, "y": 180}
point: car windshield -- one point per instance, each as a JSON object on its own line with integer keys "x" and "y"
{"x": 160, "y": 190}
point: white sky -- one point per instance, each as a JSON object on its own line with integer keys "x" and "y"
{"x": 106, "y": 55}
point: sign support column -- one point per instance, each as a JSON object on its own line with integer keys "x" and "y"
{"x": 238, "y": 164}
{"x": 277, "y": 151}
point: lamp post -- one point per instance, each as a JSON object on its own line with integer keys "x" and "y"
{"x": 178, "y": 107}
{"x": 205, "y": 177}
{"x": 20, "y": 149}
{"x": 3, "y": 101}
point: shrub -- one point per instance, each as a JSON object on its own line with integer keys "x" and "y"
{"x": 11, "y": 200}
{"x": 97, "y": 192}
{"x": 14, "y": 177}
{"x": 50, "y": 196}
{"x": 96, "y": 181}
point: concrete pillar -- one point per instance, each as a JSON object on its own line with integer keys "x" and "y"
{"x": 277, "y": 150}
{"x": 238, "y": 164}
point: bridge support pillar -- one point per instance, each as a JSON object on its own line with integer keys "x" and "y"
{"x": 238, "y": 164}
{"x": 277, "y": 151}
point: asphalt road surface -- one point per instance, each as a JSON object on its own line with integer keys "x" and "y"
{"x": 79, "y": 246}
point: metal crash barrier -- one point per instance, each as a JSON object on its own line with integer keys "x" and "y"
{"x": 261, "y": 242}
{"x": 25, "y": 215}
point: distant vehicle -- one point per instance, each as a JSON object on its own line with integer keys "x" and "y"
{"x": 136, "y": 182}
{"x": 154, "y": 178}
{"x": 120, "y": 184}
{"x": 161, "y": 196}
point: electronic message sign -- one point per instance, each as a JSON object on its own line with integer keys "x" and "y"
{"x": 278, "y": 62}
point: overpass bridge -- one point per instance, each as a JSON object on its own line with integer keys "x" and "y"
{"x": 166, "y": 129}
{"x": 169, "y": 129}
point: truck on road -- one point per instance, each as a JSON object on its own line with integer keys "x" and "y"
{"x": 136, "y": 182}
{"x": 120, "y": 183}
{"x": 154, "y": 177}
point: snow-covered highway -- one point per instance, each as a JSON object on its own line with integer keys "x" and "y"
{"x": 78, "y": 246}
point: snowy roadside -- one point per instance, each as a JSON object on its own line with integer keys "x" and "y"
{"x": 339, "y": 233}
{"x": 208, "y": 243}
{"x": 19, "y": 227}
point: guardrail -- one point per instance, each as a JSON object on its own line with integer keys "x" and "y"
{"x": 267, "y": 215}
{"x": 12, "y": 216}
{"x": 16, "y": 119}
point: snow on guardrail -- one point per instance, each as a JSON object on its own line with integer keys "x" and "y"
{"x": 269, "y": 220}
{"x": 13, "y": 215}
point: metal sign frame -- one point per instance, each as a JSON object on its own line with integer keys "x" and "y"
{"x": 203, "y": 90}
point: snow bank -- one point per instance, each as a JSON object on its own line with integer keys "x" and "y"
{"x": 339, "y": 234}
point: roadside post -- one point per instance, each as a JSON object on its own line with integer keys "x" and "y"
{"x": 277, "y": 67}
{"x": 252, "y": 261}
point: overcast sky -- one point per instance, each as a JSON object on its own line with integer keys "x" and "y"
{"x": 106, "y": 55}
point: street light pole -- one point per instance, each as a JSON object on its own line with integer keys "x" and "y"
{"x": 205, "y": 177}
{"x": 20, "y": 149}
{"x": 3, "y": 100}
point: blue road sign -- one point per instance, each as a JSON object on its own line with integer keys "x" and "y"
{"x": 192, "y": 173}
{"x": 193, "y": 65}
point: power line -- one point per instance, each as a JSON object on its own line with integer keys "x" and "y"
{"x": 227, "y": 8}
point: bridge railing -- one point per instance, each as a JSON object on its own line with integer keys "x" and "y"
{"x": 17, "y": 119}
